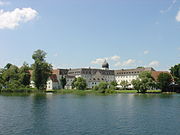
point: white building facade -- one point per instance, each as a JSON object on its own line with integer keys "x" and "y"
{"x": 129, "y": 75}
{"x": 92, "y": 76}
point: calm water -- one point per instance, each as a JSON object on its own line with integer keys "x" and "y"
{"x": 124, "y": 114}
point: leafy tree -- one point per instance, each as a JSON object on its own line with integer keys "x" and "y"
{"x": 144, "y": 82}
{"x": 175, "y": 71}
{"x": 80, "y": 83}
{"x": 124, "y": 84}
{"x": 136, "y": 84}
{"x": 164, "y": 80}
{"x": 73, "y": 83}
{"x": 1, "y": 81}
{"x": 63, "y": 81}
{"x": 103, "y": 85}
{"x": 10, "y": 74}
{"x": 113, "y": 83}
{"x": 8, "y": 66}
{"x": 145, "y": 74}
{"x": 41, "y": 69}
{"x": 24, "y": 75}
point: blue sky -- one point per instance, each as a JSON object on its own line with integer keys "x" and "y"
{"x": 82, "y": 33}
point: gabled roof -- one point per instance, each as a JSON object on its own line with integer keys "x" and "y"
{"x": 53, "y": 77}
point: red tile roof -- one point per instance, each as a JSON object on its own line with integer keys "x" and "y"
{"x": 53, "y": 77}
{"x": 155, "y": 74}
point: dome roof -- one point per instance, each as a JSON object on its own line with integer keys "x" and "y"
{"x": 105, "y": 64}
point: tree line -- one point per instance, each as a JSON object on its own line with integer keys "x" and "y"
{"x": 13, "y": 77}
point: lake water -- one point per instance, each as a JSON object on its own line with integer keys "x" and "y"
{"x": 123, "y": 114}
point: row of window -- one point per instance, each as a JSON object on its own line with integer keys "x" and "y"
{"x": 127, "y": 76}
{"x": 123, "y": 73}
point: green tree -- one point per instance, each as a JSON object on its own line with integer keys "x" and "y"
{"x": 24, "y": 75}
{"x": 136, "y": 84}
{"x": 145, "y": 74}
{"x": 113, "y": 83}
{"x": 41, "y": 69}
{"x": 103, "y": 85}
{"x": 63, "y": 81}
{"x": 10, "y": 78}
{"x": 144, "y": 82}
{"x": 73, "y": 83}
{"x": 8, "y": 66}
{"x": 10, "y": 74}
{"x": 164, "y": 80}
{"x": 80, "y": 83}
{"x": 124, "y": 84}
{"x": 175, "y": 71}
{"x": 1, "y": 81}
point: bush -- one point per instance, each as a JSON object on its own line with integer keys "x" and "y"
{"x": 103, "y": 86}
{"x": 80, "y": 83}
{"x": 96, "y": 88}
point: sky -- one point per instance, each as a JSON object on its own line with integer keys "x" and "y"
{"x": 83, "y": 33}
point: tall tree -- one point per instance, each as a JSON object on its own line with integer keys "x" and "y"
{"x": 164, "y": 80}
{"x": 41, "y": 69}
{"x": 63, "y": 81}
{"x": 24, "y": 74}
{"x": 175, "y": 71}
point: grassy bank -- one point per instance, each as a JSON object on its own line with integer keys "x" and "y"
{"x": 63, "y": 91}
{"x": 79, "y": 92}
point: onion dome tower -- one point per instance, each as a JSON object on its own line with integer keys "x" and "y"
{"x": 105, "y": 65}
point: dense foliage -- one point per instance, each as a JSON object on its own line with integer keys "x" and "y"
{"x": 105, "y": 87}
{"x": 12, "y": 77}
{"x": 164, "y": 80}
{"x": 63, "y": 81}
{"x": 144, "y": 82}
{"x": 80, "y": 83}
{"x": 124, "y": 84}
{"x": 41, "y": 69}
{"x": 175, "y": 71}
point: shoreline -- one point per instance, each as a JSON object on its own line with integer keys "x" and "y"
{"x": 83, "y": 92}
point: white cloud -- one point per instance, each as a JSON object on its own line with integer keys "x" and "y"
{"x": 170, "y": 7}
{"x": 154, "y": 64}
{"x": 98, "y": 61}
{"x": 3, "y": 3}
{"x": 115, "y": 58}
{"x": 178, "y": 16}
{"x": 129, "y": 62}
{"x": 12, "y": 19}
{"x": 146, "y": 52}
{"x": 179, "y": 48}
